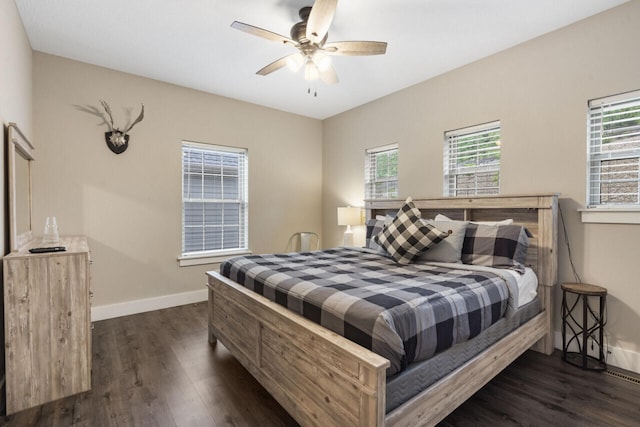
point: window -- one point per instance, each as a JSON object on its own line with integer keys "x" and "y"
{"x": 472, "y": 160}
{"x": 214, "y": 199}
{"x": 381, "y": 172}
{"x": 614, "y": 151}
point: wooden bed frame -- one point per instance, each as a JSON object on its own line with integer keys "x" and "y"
{"x": 323, "y": 379}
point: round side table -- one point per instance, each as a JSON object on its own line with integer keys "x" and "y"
{"x": 589, "y": 325}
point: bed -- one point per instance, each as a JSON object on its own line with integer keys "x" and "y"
{"x": 322, "y": 378}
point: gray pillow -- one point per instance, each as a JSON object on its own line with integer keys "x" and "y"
{"x": 374, "y": 226}
{"x": 450, "y": 249}
{"x": 502, "y": 246}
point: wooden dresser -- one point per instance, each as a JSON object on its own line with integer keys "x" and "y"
{"x": 47, "y": 321}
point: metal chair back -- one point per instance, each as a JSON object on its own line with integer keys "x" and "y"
{"x": 303, "y": 241}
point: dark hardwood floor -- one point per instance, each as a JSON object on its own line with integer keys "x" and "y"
{"x": 157, "y": 369}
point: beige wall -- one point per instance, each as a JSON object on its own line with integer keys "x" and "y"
{"x": 15, "y": 88}
{"x": 539, "y": 90}
{"x": 130, "y": 204}
{"x": 15, "y": 106}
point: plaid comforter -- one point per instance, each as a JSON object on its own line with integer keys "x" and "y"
{"x": 403, "y": 313}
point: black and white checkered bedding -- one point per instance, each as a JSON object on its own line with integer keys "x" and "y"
{"x": 404, "y": 313}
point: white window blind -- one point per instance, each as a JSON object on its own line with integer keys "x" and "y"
{"x": 381, "y": 172}
{"x": 472, "y": 160}
{"x": 614, "y": 150}
{"x": 214, "y": 199}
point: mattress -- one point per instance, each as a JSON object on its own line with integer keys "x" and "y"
{"x": 523, "y": 287}
{"x": 420, "y": 375}
{"x": 527, "y": 285}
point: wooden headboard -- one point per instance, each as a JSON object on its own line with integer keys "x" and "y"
{"x": 537, "y": 212}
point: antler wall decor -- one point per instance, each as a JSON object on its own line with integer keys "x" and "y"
{"x": 118, "y": 140}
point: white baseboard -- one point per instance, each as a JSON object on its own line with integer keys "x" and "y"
{"x": 104, "y": 312}
{"x": 616, "y": 356}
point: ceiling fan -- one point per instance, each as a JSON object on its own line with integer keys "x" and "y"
{"x": 309, "y": 36}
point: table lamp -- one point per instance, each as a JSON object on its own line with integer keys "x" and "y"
{"x": 349, "y": 216}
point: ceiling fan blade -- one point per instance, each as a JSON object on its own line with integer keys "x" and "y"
{"x": 328, "y": 75}
{"x": 355, "y": 48}
{"x": 320, "y": 19}
{"x": 274, "y": 66}
{"x": 261, "y": 32}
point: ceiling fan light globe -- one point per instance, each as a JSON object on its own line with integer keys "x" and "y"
{"x": 322, "y": 61}
{"x": 311, "y": 71}
{"x": 294, "y": 62}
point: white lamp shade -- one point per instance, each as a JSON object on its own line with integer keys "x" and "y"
{"x": 349, "y": 216}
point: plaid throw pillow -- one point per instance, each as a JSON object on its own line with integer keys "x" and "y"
{"x": 503, "y": 246}
{"x": 407, "y": 237}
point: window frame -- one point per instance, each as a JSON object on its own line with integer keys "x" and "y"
{"x": 370, "y": 171}
{"x": 608, "y": 213}
{"x": 451, "y": 173}
{"x": 597, "y": 108}
{"x": 206, "y": 256}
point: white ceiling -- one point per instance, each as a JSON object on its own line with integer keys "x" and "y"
{"x": 190, "y": 42}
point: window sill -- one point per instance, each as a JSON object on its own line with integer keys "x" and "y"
{"x": 189, "y": 260}
{"x": 610, "y": 215}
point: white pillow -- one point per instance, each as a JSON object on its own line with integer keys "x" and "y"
{"x": 509, "y": 221}
{"x": 386, "y": 218}
{"x": 450, "y": 249}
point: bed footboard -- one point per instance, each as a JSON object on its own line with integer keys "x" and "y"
{"x": 319, "y": 377}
